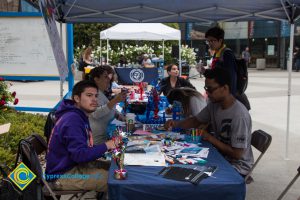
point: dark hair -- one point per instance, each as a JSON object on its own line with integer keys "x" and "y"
{"x": 81, "y": 86}
{"x": 183, "y": 95}
{"x": 169, "y": 68}
{"x": 215, "y": 32}
{"x": 220, "y": 75}
{"x": 98, "y": 71}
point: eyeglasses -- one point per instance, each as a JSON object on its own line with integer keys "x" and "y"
{"x": 210, "y": 90}
{"x": 210, "y": 41}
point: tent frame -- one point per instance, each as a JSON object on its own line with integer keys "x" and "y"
{"x": 169, "y": 14}
{"x": 184, "y": 16}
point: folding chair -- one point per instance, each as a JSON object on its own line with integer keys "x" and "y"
{"x": 32, "y": 147}
{"x": 261, "y": 141}
{"x": 290, "y": 184}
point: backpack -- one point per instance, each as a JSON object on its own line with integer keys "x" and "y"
{"x": 8, "y": 190}
{"x": 27, "y": 155}
{"x": 241, "y": 79}
{"x": 50, "y": 122}
{"x": 241, "y": 71}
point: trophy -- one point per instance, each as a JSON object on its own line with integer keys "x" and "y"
{"x": 118, "y": 156}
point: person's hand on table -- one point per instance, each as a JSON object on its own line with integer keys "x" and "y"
{"x": 110, "y": 144}
{"x": 114, "y": 143}
{"x": 121, "y": 117}
{"x": 169, "y": 124}
{"x": 206, "y": 136}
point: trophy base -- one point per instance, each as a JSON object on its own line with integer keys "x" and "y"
{"x": 120, "y": 174}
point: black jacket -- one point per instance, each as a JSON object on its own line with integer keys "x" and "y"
{"x": 165, "y": 85}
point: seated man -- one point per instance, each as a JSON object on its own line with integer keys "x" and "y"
{"x": 71, "y": 154}
{"x": 146, "y": 61}
{"x": 229, "y": 119}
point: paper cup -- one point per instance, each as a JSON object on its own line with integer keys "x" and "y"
{"x": 130, "y": 118}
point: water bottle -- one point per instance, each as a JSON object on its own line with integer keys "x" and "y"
{"x": 164, "y": 105}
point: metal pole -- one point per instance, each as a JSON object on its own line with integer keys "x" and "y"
{"x": 61, "y": 81}
{"x": 179, "y": 57}
{"x": 70, "y": 55}
{"x": 100, "y": 52}
{"x": 163, "y": 51}
{"x": 288, "y": 187}
{"x": 289, "y": 67}
{"x": 107, "y": 43}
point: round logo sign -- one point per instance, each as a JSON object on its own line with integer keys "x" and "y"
{"x": 136, "y": 75}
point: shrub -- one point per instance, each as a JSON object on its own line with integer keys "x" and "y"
{"x": 22, "y": 125}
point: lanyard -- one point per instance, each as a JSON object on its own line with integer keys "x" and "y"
{"x": 217, "y": 56}
{"x": 90, "y": 140}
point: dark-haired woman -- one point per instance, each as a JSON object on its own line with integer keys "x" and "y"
{"x": 105, "y": 113}
{"x": 173, "y": 81}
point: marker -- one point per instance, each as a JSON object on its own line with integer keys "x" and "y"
{"x": 169, "y": 160}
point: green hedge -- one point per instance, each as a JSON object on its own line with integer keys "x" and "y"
{"x": 22, "y": 125}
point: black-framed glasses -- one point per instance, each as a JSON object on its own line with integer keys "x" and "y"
{"x": 210, "y": 89}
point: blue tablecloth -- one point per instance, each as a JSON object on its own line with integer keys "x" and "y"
{"x": 128, "y": 76}
{"x": 145, "y": 183}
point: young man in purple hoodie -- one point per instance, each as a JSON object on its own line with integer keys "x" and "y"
{"x": 71, "y": 154}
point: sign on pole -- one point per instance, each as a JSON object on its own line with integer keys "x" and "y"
{"x": 48, "y": 8}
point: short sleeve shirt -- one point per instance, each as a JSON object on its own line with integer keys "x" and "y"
{"x": 231, "y": 126}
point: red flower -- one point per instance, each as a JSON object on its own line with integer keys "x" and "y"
{"x": 13, "y": 94}
{"x": 2, "y": 102}
{"x": 1, "y": 79}
{"x": 16, "y": 101}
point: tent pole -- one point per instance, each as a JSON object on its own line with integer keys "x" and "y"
{"x": 107, "y": 51}
{"x": 179, "y": 57}
{"x": 61, "y": 81}
{"x": 163, "y": 50}
{"x": 100, "y": 52}
{"x": 289, "y": 67}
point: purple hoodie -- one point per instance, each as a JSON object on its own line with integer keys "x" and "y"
{"x": 69, "y": 142}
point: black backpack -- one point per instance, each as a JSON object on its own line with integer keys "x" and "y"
{"x": 27, "y": 155}
{"x": 8, "y": 190}
{"x": 50, "y": 123}
{"x": 241, "y": 79}
{"x": 242, "y": 73}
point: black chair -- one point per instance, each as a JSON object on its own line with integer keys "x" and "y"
{"x": 290, "y": 184}
{"x": 31, "y": 148}
{"x": 261, "y": 141}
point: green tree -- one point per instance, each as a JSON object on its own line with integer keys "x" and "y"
{"x": 89, "y": 34}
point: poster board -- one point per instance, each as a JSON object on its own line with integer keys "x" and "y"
{"x": 25, "y": 47}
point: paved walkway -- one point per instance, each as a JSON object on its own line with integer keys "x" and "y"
{"x": 267, "y": 92}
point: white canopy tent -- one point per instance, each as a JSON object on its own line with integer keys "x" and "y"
{"x": 141, "y": 31}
